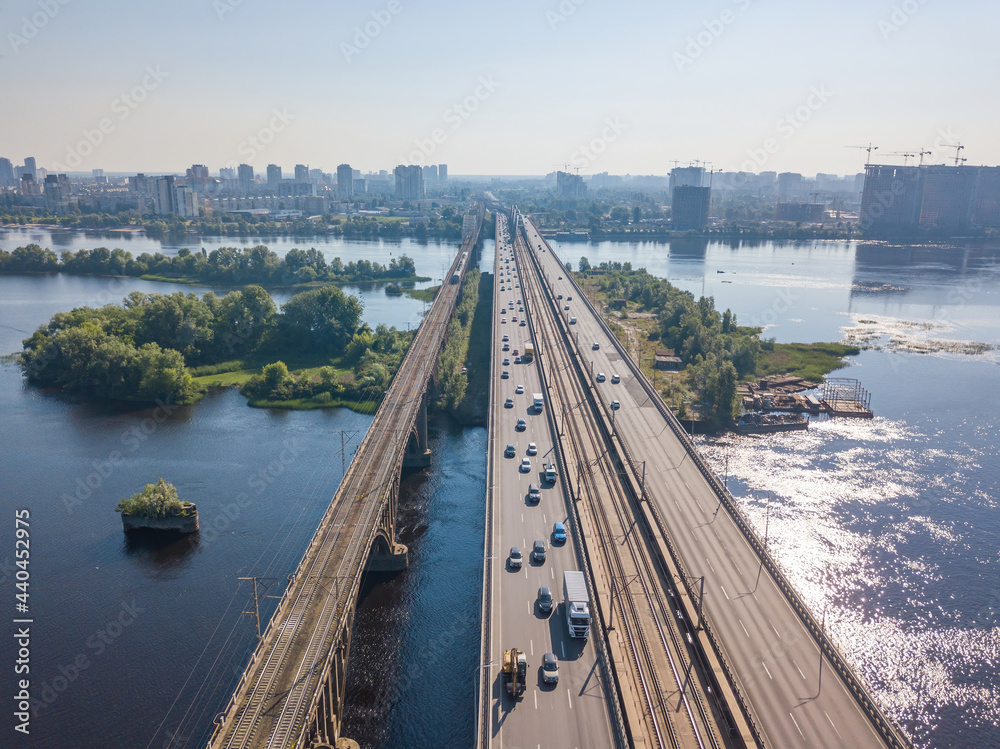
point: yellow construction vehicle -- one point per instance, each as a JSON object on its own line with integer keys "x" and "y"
{"x": 515, "y": 672}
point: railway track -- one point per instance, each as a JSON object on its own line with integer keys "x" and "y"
{"x": 276, "y": 701}
{"x": 652, "y": 639}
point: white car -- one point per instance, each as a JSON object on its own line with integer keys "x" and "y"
{"x": 596, "y": 346}
{"x": 532, "y": 448}
{"x": 525, "y": 465}
{"x": 519, "y": 389}
{"x": 505, "y": 338}
{"x": 600, "y": 377}
{"x": 615, "y": 379}
{"x": 615, "y": 405}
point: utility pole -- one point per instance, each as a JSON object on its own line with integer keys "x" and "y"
{"x": 256, "y": 607}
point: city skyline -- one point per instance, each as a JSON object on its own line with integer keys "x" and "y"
{"x": 739, "y": 86}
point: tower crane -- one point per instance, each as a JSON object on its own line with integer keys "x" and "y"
{"x": 922, "y": 154}
{"x": 869, "y": 148}
{"x": 958, "y": 159}
{"x": 906, "y": 156}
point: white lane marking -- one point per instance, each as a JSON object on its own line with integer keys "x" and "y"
{"x": 536, "y": 699}
{"x": 532, "y": 644}
{"x": 796, "y": 725}
{"x": 544, "y": 519}
{"x": 562, "y": 645}
{"x": 766, "y": 671}
{"x": 570, "y": 700}
{"x": 744, "y": 628}
{"x": 552, "y": 573}
{"x": 831, "y": 722}
{"x": 710, "y": 563}
{"x": 522, "y": 517}
{"x": 775, "y": 630}
{"x": 798, "y": 669}
{"x": 725, "y": 594}
{"x": 735, "y": 565}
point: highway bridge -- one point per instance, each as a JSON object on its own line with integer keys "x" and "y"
{"x": 292, "y": 692}
{"x": 704, "y": 600}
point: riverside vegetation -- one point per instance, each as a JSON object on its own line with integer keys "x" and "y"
{"x": 170, "y": 347}
{"x": 716, "y": 351}
{"x": 226, "y": 266}
{"x": 155, "y": 501}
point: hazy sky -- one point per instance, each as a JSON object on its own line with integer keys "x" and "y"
{"x": 516, "y": 87}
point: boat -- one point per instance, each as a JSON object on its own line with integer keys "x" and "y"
{"x": 760, "y": 423}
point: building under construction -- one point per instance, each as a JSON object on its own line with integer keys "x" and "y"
{"x": 843, "y": 396}
{"x": 902, "y": 200}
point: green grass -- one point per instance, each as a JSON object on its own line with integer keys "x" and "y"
{"x": 811, "y": 361}
{"x": 422, "y": 295}
{"x": 237, "y": 371}
{"x": 308, "y": 404}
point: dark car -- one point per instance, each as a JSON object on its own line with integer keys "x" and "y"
{"x": 538, "y": 551}
{"x": 544, "y": 600}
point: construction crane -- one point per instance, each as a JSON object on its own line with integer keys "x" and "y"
{"x": 922, "y": 154}
{"x": 958, "y": 148}
{"x": 869, "y": 148}
{"x": 906, "y": 156}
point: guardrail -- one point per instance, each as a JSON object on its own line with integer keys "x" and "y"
{"x": 889, "y": 733}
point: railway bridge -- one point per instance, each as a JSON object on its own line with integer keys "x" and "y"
{"x": 292, "y": 692}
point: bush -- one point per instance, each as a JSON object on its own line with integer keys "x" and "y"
{"x": 157, "y": 500}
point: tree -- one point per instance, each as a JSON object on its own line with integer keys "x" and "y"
{"x": 157, "y": 500}
{"x": 619, "y": 214}
{"x": 637, "y": 214}
{"x": 584, "y": 265}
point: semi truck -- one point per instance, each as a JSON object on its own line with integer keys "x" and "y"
{"x": 577, "y": 604}
{"x": 538, "y": 402}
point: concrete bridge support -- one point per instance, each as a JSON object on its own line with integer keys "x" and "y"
{"x": 418, "y": 452}
{"x": 387, "y": 554}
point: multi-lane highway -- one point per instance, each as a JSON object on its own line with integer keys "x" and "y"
{"x": 792, "y": 699}
{"x": 576, "y": 712}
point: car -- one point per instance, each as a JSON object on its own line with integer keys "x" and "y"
{"x": 544, "y": 599}
{"x": 503, "y": 288}
{"x": 558, "y": 533}
{"x": 523, "y": 323}
{"x": 534, "y": 493}
{"x": 505, "y": 347}
{"x": 509, "y": 403}
{"x": 519, "y": 389}
{"x": 525, "y": 465}
{"x": 566, "y": 308}
{"x": 550, "y": 669}
{"x": 504, "y": 375}
{"x": 615, "y": 405}
{"x": 538, "y": 551}
{"x": 505, "y": 338}
{"x": 569, "y": 299}
{"x": 596, "y": 346}
{"x": 572, "y": 321}
{"x": 615, "y": 379}
{"x": 560, "y": 278}
{"x": 532, "y": 449}
{"x": 514, "y": 318}
{"x": 517, "y": 359}
{"x": 503, "y": 320}
{"x": 516, "y": 352}
{"x": 515, "y": 558}
{"x": 517, "y": 286}
{"x": 520, "y": 309}
{"x": 600, "y": 377}
{"x": 506, "y": 361}
{"x": 510, "y": 451}
{"x": 521, "y": 425}
{"x": 559, "y": 297}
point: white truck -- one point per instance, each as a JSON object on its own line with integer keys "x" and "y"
{"x": 539, "y": 402}
{"x": 577, "y": 604}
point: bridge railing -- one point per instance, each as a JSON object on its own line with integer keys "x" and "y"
{"x": 886, "y": 729}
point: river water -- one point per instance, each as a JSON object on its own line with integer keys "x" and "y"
{"x": 888, "y": 526}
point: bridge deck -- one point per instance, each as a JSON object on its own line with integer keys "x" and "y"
{"x": 277, "y": 699}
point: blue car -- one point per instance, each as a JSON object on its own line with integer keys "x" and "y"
{"x": 559, "y": 533}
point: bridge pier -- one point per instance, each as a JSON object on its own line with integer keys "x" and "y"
{"x": 418, "y": 452}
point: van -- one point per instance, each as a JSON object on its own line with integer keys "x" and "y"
{"x": 550, "y": 473}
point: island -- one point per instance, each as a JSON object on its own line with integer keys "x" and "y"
{"x": 157, "y": 507}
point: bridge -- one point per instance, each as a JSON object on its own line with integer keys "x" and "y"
{"x": 687, "y": 602}
{"x": 292, "y": 692}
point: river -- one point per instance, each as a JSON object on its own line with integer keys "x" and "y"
{"x": 888, "y": 526}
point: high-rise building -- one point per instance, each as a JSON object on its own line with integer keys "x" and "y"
{"x": 570, "y": 185}
{"x": 345, "y": 181}
{"x": 164, "y": 197}
{"x": 946, "y": 200}
{"x": 273, "y": 175}
{"x": 430, "y": 173}
{"x": 301, "y": 173}
{"x": 986, "y": 206}
{"x": 7, "y": 174}
{"x": 443, "y": 172}
{"x": 227, "y": 174}
{"x": 790, "y": 185}
{"x": 891, "y": 199}
{"x": 30, "y": 168}
{"x": 689, "y": 207}
{"x": 409, "y": 182}
{"x": 244, "y": 173}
